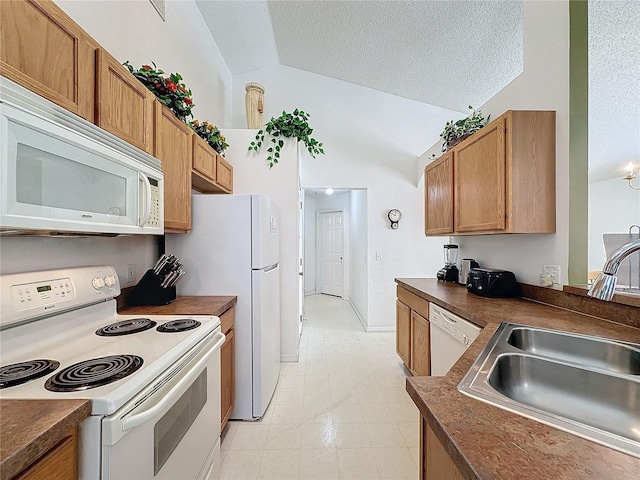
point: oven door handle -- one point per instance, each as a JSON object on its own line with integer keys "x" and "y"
{"x": 133, "y": 421}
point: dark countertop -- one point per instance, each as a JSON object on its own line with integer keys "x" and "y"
{"x": 487, "y": 442}
{"x": 30, "y": 428}
{"x": 188, "y": 305}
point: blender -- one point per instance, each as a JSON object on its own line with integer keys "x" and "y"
{"x": 449, "y": 273}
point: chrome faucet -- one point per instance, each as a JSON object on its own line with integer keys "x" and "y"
{"x": 604, "y": 285}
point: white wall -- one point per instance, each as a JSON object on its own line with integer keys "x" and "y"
{"x": 543, "y": 85}
{"x": 251, "y": 174}
{"x": 27, "y": 254}
{"x": 613, "y": 208}
{"x": 132, "y": 30}
{"x": 358, "y": 254}
{"x": 309, "y": 245}
{"x": 371, "y": 140}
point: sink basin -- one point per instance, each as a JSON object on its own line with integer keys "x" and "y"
{"x": 592, "y": 351}
{"x": 588, "y": 386}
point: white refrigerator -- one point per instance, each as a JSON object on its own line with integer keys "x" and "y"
{"x": 234, "y": 249}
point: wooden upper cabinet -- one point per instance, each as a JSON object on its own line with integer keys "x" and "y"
{"x": 173, "y": 146}
{"x": 438, "y": 196}
{"x": 204, "y": 164}
{"x": 479, "y": 172}
{"x": 503, "y": 179}
{"x": 124, "y": 106}
{"x": 43, "y": 50}
{"x": 224, "y": 174}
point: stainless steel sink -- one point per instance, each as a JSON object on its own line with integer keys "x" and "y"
{"x": 591, "y": 351}
{"x": 588, "y": 386}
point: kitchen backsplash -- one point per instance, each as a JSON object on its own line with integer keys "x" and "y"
{"x": 24, "y": 254}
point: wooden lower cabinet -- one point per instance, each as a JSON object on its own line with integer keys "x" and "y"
{"x": 412, "y": 332}
{"x": 403, "y": 332}
{"x": 59, "y": 463}
{"x": 227, "y": 367}
{"x": 420, "y": 345}
{"x": 435, "y": 462}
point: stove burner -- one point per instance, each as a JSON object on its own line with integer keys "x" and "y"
{"x": 19, "y": 373}
{"x": 93, "y": 373}
{"x": 126, "y": 327}
{"x": 180, "y": 325}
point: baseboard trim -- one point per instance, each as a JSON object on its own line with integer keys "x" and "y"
{"x": 357, "y": 312}
{"x": 382, "y": 328}
{"x": 289, "y": 358}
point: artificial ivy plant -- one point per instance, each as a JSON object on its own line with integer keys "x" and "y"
{"x": 455, "y": 132}
{"x": 288, "y": 125}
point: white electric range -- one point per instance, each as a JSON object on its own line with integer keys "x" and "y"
{"x": 153, "y": 382}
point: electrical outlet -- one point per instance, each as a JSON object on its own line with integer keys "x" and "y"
{"x": 131, "y": 273}
{"x": 554, "y": 272}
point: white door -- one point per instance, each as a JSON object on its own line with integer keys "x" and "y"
{"x": 300, "y": 260}
{"x": 332, "y": 235}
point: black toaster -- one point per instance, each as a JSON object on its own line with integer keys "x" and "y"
{"x": 488, "y": 282}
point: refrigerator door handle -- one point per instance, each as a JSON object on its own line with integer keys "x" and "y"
{"x": 269, "y": 268}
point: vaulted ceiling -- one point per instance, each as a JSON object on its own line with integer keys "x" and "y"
{"x": 445, "y": 53}
{"x": 448, "y": 53}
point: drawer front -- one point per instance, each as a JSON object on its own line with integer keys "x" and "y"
{"x": 59, "y": 463}
{"x": 227, "y": 319}
{"x": 416, "y": 303}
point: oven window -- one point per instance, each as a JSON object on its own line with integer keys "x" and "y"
{"x": 170, "y": 429}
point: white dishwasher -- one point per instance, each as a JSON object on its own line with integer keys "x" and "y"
{"x": 450, "y": 336}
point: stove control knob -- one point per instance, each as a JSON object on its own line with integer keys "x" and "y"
{"x": 110, "y": 280}
{"x": 98, "y": 283}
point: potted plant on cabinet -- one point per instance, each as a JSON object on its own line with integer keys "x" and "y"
{"x": 170, "y": 90}
{"x": 456, "y": 132}
{"x": 210, "y": 134}
{"x": 288, "y": 125}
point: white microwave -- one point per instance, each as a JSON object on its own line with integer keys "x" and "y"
{"x": 60, "y": 174}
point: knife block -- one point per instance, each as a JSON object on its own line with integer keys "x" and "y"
{"x": 149, "y": 292}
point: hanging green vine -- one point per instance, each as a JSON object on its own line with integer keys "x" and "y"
{"x": 288, "y": 125}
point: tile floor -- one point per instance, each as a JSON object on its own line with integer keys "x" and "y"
{"x": 341, "y": 412}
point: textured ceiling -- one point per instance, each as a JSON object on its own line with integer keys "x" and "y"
{"x": 445, "y": 53}
{"x": 614, "y": 87}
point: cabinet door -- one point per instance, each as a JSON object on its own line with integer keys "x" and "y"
{"x": 224, "y": 174}
{"x": 420, "y": 351}
{"x": 227, "y": 376}
{"x": 438, "y": 196}
{"x": 43, "y": 50}
{"x": 204, "y": 159}
{"x": 435, "y": 462}
{"x": 479, "y": 178}
{"x": 59, "y": 463}
{"x": 403, "y": 332}
{"x": 124, "y": 106}
{"x": 172, "y": 146}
